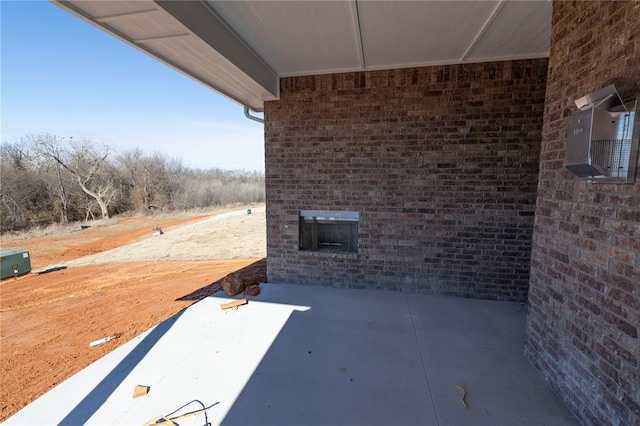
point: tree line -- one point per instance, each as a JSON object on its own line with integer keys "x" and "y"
{"x": 47, "y": 179}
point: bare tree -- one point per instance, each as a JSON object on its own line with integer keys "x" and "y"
{"x": 46, "y": 179}
{"x": 24, "y": 199}
{"x": 47, "y": 147}
{"x": 132, "y": 169}
{"x": 13, "y": 206}
{"x": 88, "y": 167}
{"x": 150, "y": 178}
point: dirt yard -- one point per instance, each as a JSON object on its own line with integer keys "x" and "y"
{"x": 113, "y": 279}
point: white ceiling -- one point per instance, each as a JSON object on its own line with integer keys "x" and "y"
{"x": 242, "y": 48}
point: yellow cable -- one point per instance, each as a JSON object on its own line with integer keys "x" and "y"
{"x": 153, "y": 421}
{"x": 193, "y": 413}
{"x": 170, "y": 421}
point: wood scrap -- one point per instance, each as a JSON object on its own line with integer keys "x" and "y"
{"x": 252, "y": 289}
{"x": 140, "y": 390}
{"x": 233, "y": 305}
{"x": 464, "y": 395}
{"x": 233, "y": 284}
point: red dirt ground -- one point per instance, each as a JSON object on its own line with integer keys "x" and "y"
{"x": 48, "y": 320}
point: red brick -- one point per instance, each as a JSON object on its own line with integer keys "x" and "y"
{"x": 587, "y": 235}
{"x": 450, "y": 214}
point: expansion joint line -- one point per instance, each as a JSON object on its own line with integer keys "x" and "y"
{"x": 424, "y": 367}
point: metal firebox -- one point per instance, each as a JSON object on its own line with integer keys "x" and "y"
{"x": 602, "y": 142}
{"x": 324, "y": 230}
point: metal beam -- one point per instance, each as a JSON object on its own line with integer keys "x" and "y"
{"x": 205, "y": 23}
{"x": 254, "y": 103}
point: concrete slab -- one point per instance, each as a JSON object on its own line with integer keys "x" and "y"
{"x": 316, "y": 356}
{"x": 351, "y": 359}
{"x": 479, "y": 323}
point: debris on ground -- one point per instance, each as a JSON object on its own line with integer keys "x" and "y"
{"x": 141, "y": 390}
{"x": 233, "y": 305}
{"x": 101, "y": 341}
{"x": 255, "y": 273}
{"x": 28, "y": 370}
{"x": 464, "y": 395}
{"x": 52, "y": 269}
{"x": 171, "y": 418}
{"x": 252, "y": 289}
{"x": 233, "y": 284}
{"x": 157, "y": 231}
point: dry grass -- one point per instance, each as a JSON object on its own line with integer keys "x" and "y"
{"x": 64, "y": 228}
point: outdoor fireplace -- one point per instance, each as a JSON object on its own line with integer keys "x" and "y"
{"x": 331, "y": 231}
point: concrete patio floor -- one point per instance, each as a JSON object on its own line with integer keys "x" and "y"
{"x": 299, "y": 355}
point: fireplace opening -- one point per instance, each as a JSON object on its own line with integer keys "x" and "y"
{"x": 332, "y": 231}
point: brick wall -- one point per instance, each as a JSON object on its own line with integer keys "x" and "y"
{"x": 582, "y": 329}
{"x": 440, "y": 212}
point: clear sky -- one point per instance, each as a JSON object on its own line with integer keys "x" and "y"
{"x": 63, "y": 76}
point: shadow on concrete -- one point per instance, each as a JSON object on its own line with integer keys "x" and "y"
{"x": 82, "y": 412}
{"x": 343, "y": 361}
{"x": 358, "y": 357}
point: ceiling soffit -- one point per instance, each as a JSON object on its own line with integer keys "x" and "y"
{"x": 242, "y": 48}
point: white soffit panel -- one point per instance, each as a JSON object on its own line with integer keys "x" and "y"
{"x": 522, "y": 29}
{"x": 242, "y": 48}
{"x": 188, "y": 37}
{"x": 298, "y": 37}
{"x": 138, "y": 20}
{"x": 212, "y": 68}
{"x": 410, "y": 33}
{"x": 106, "y": 9}
{"x": 145, "y": 25}
{"x": 233, "y": 55}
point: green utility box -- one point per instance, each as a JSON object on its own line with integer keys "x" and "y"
{"x": 14, "y": 263}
